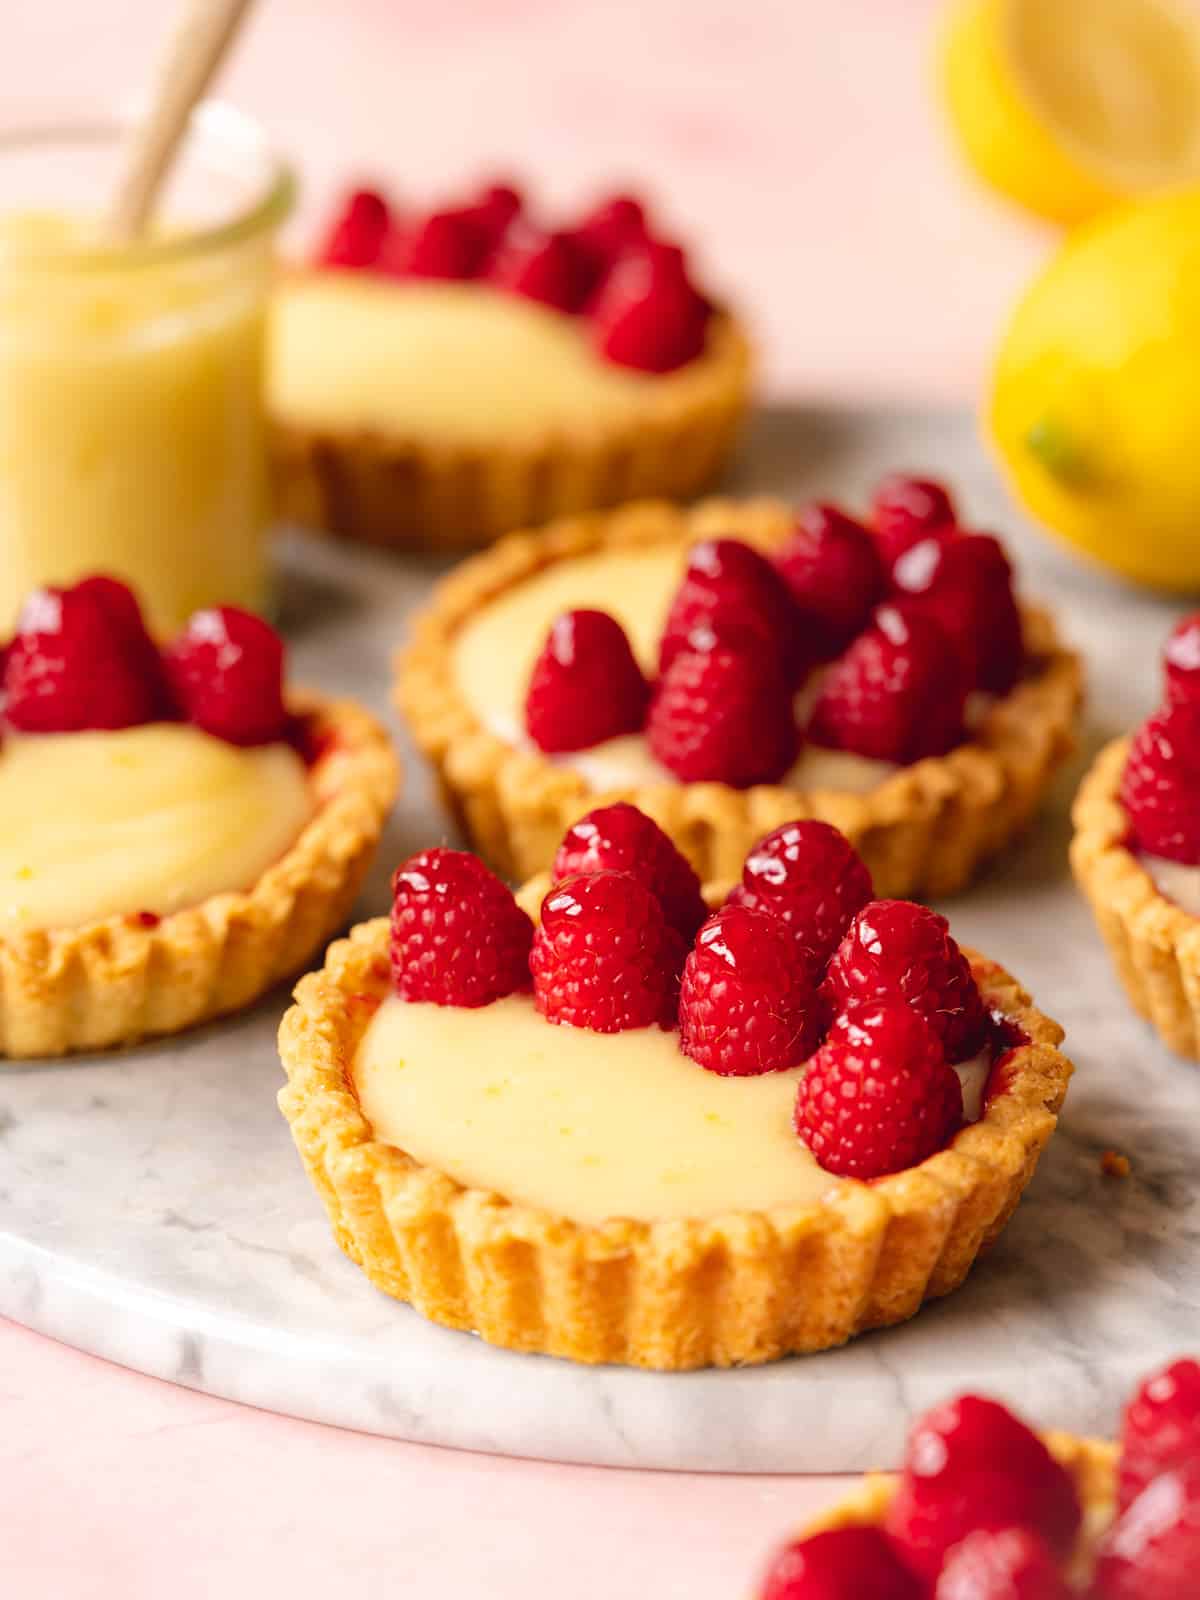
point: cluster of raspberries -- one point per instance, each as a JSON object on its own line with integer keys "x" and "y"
{"x": 983, "y": 1511}
{"x": 799, "y": 965}
{"x": 904, "y": 619}
{"x": 82, "y": 658}
{"x": 1162, "y": 774}
{"x": 632, "y": 287}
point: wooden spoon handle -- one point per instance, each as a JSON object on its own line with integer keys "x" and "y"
{"x": 205, "y": 32}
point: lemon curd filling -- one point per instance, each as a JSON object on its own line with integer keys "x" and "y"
{"x": 495, "y": 653}
{"x": 132, "y": 434}
{"x": 146, "y": 819}
{"x": 587, "y": 1125}
{"x": 459, "y": 361}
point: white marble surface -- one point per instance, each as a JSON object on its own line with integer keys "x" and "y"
{"x": 153, "y": 1211}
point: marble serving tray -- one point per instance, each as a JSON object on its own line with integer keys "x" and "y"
{"x": 153, "y": 1211}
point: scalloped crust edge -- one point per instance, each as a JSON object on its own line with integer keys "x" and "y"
{"x": 392, "y": 489}
{"x": 115, "y": 981}
{"x": 925, "y": 831}
{"x": 1154, "y": 944}
{"x": 1092, "y": 1464}
{"x": 739, "y": 1288}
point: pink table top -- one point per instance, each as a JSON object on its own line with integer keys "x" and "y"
{"x": 797, "y": 146}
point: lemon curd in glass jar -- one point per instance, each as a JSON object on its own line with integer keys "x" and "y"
{"x": 132, "y": 428}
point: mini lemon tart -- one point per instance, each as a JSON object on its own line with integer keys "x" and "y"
{"x": 532, "y": 710}
{"x": 984, "y": 1508}
{"x": 1136, "y": 851}
{"x": 442, "y": 381}
{"x": 158, "y": 873}
{"x": 1090, "y": 1466}
{"x": 526, "y": 1147}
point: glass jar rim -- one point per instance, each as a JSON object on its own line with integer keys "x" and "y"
{"x": 216, "y": 122}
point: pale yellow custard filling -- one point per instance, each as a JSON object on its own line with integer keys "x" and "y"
{"x": 585, "y": 1125}
{"x": 494, "y": 656}
{"x": 459, "y": 362}
{"x": 152, "y": 819}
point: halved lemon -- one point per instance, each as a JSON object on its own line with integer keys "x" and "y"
{"x": 1069, "y": 105}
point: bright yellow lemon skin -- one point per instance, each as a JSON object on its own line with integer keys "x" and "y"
{"x": 999, "y": 130}
{"x": 1068, "y": 106}
{"x": 1094, "y": 405}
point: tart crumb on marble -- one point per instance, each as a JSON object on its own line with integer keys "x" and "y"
{"x": 985, "y": 1509}
{"x": 953, "y": 770}
{"x": 186, "y": 734}
{"x": 719, "y": 1001}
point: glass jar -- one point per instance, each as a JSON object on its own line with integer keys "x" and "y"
{"x": 132, "y": 424}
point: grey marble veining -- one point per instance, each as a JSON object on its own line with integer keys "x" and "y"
{"x": 153, "y": 1211}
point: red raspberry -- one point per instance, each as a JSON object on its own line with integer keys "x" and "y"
{"x": 1161, "y": 781}
{"x": 458, "y": 937}
{"x": 226, "y": 673}
{"x": 496, "y": 209}
{"x": 1152, "y": 1552}
{"x": 966, "y": 587}
{"x": 75, "y": 663}
{"x": 898, "y": 693}
{"x": 811, "y": 876}
{"x": 120, "y": 602}
{"x": 833, "y": 570}
{"x": 1181, "y": 660}
{"x": 905, "y": 510}
{"x": 728, "y": 584}
{"x": 1002, "y": 1564}
{"x": 604, "y": 957}
{"x": 621, "y": 838}
{"x": 1162, "y": 1428}
{"x": 878, "y": 1096}
{"x": 358, "y": 233}
{"x": 647, "y": 315}
{"x": 615, "y": 226}
{"x": 747, "y": 1006}
{"x": 586, "y": 686}
{"x": 544, "y": 267}
{"x": 971, "y": 1464}
{"x": 895, "y": 950}
{"x": 723, "y": 713}
{"x": 840, "y": 1564}
{"x": 446, "y": 244}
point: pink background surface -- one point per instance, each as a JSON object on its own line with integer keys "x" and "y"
{"x": 796, "y": 145}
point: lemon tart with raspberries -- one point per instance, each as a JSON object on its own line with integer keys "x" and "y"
{"x": 175, "y": 836}
{"x": 985, "y": 1509}
{"x": 733, "y": 666}
{"x": 1136, "y": 851}
{"x": 440, "y": 380}
{"x": 629, "y": 1130}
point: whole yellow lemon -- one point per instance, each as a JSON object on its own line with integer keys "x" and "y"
{"x": 1095, "y": 398}
{"x": 1067, "y": 106}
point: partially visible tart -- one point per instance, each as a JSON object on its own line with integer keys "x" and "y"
{"x": 440, "y": 380}
{"x": 628, "y": 1132}
{"x": 1136, "y": 851}
{"x": 984, "y": 1509}
{"x": 780, "y": 668}
{"x": 174, "y": 836}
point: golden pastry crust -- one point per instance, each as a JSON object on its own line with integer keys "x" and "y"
{"x": 924, "y": 831}
{"x": 1154, "y": 944}
{"x": 1091, "y": 1462}
{"x": 118, "y": 980}
{"x": 415, "y": 491}
{"x": 672, "y": 1295}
